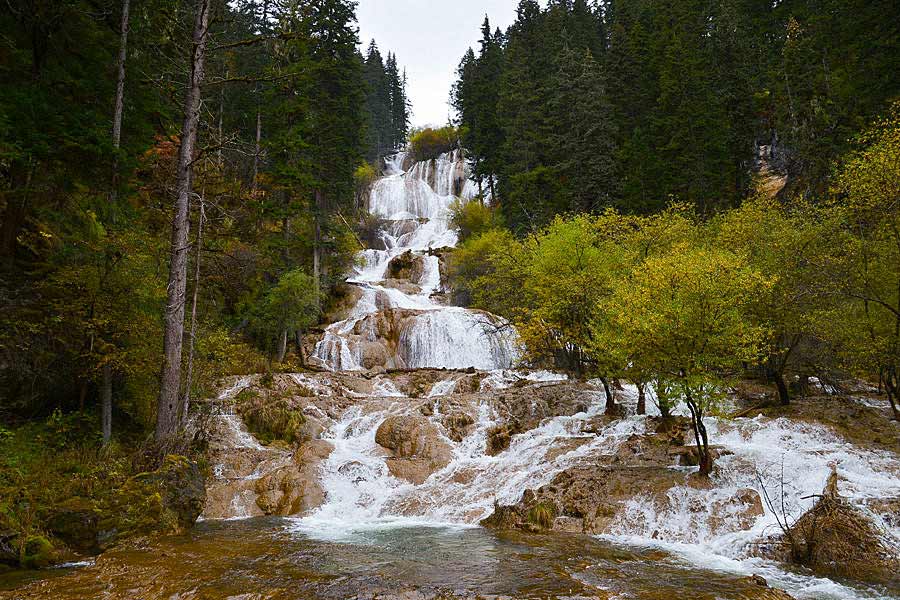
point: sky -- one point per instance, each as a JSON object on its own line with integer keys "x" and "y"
{"x": 429, "y": 38}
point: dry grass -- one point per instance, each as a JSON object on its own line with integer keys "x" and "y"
{"x": 542, "y": 514}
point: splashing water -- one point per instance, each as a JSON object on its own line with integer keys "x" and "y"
{"x": 362, "y": 494}
{"x": 416, "y": 207}
{"x": 763, "y": 455}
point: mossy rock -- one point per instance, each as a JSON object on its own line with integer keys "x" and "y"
{"x": 76, "y": 522}
{"x": 167, "y": 500}
{"x": 38, "y": 552}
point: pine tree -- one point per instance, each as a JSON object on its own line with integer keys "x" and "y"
{"x": 399, "y": 106}
{"x": 585, "y": 143}
{"x": 378, "y": 104}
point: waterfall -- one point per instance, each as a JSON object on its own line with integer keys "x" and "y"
{"x": 415, "y": 205}
{"x": 362, "y": 494}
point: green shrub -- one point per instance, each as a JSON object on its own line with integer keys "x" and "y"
{"x": 430, "y": 143}
{"x": 473, "y": 219}
{"x": 271, "y": 419}
{"x": 364, "y": 176}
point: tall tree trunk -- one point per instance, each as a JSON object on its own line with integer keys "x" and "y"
{"x": 221, "y": 127}
{"x": 642, "y": 399}
{"x": 317, "y": 248}
{"x": 784, "y": 396}
{"x": 298, "y": 339}
{"x": 14, "y": 215}
{"x": 258, "y": 148}
{"x": 106, "y": 397}
{"x": 700, "y": 436}
{"x": 611, "y": 407}
{"x": 192, "y": 337}
{"x": 173, "y": 340}
{"x": 776, "y": 376}
{"x": 282, "y": 346}
{"x": 120, "y": 100}
{"x": 893, "y": 393}
{"x": 82, "y": 395}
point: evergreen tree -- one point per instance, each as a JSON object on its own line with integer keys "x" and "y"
{"x": 399, "y": 106}
{"x": 586, "y": 132}
{"x": 378, "y": 104}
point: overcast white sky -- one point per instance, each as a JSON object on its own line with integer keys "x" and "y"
{"x": 429, "y": 38}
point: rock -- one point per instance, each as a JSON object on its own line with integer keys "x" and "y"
{"x": 416, "y": 445}
{"x": 407, "y": 266}
{"x": 562, "y": 446}
{"x": 458, "y": 425}
{"x": 689, "y": 457}
{"x": 39, "y": 552}
{"x": 836, "y": 539}
{"x": 168, "y": 500}
{"x": 737, "y": 512}
{"x": 403, "y": 285}
{"x": 498, "y": 440}
{"x": 758, "y": 589}
{"x": 76, "y": 522}
{"x": 294, "y": 489}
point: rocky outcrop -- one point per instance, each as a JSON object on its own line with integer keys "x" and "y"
{"x": 169, "y": 499}
{"x": 590, "y": 496}
{"x": 76, "y": 523}
{"x": 416, "y": 446}
{"x": 407, "y": 266}
{"x": 294, "y": 489}
{"x": 836, "y": 539}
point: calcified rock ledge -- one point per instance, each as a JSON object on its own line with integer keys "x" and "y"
{"x": 527, "y": 452}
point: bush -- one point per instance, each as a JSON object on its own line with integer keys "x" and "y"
{"x": 364, "y": 178}
{"x": 270, "y": 419}
{"x": 473, "y": 218}
{"x": 429, "y": 143}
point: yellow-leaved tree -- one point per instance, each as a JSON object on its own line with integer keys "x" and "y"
{"x": 867, "y": 211}
{"x": 681, "y": 318}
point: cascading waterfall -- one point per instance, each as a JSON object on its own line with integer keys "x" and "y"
{"x": 415, "y": 205}
{"x": 363, "y": 495}
{"x": 693, "y": 523}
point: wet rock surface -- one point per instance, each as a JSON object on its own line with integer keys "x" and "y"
{"x": 418, "y": 450}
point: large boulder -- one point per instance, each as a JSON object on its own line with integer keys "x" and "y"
{"x": 416, "y": 446}
{"x": 76, "y": 522}
{"x": 167, "y": 500}
{"x": 406, "y": 266}
{"x": 294, "y": 489}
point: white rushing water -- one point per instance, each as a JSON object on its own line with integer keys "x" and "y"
{"x": 362, "y": 494}
{"x": 415, "y": 206}
{"x": 700, "y": 527}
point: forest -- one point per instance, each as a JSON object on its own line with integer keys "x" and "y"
{"x": 264, "y": 132}
{"x": 646, "y": 161}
